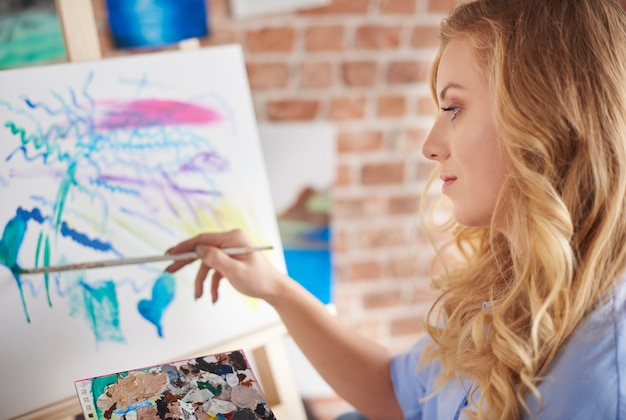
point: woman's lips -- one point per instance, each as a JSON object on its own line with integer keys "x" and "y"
{"x": 447, "y": 181}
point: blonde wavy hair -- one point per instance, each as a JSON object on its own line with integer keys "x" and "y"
{"x": 557, "y": 72}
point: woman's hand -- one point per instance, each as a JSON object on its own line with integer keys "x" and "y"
{"x": 251, "y": 274}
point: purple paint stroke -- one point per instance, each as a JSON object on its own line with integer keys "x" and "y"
{"x": 154, "y": 112}
{"x": 183, "y": 193}
{"x": 206, "y": 162}
{"x": 134, "y": 181}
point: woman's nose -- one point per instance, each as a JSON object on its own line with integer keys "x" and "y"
{"x": 434, "y": 148}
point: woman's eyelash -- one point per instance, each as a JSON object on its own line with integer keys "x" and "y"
{"x": 454, "y": 109}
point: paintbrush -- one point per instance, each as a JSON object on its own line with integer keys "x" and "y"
{"x": 137, "y": 260}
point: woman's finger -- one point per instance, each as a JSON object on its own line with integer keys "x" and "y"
{"x": 199, "y": 282}
{"x": 215, "y": 284}
{"x": 233, "y": 238}
{"x": 177, "y": 265}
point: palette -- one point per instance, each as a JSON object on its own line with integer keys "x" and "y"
{"x": 220, "y": 386}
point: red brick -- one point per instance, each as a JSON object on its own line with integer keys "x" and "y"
{"x": 342, "y": 109}
{"x": 360, "y": 73}
{"x": 219, "y": 36}
{"x": 385, "y": 299}
{"x": 426, "y": 106}
{"x": 343, "y": 177}
{"x": 359, "y": 207}
{"x": 271, "y": 39}
{"x": 403, "y": 7}
{"x": 339, "y": 241}
{"x": 401, "y": 72}
{"x": 340, "y": 7}
{"x": 407, "y": 326}
{"x": 408, "y": 204}
{"x": 441, "y": 5}
{"x": 347, "y": 301}
{"x": 404, "y": 267}
{"x": 218, "y": 9}
{"x": 381, "y": 237}
{"x": 292, "y": 109}
{"x": 267, "y": 75}
{"x": 359, "y": 141}
{"x": 382, "y": 173}
{"x": 369, "y": 270}
{"x": 425, "y": 296}
{"x": 370, "y": 328}
{"x": 378, "y": 37}
{"x": 424, "y": 169}
{"x": 325, "y": 38}
{"x": 316, "y": 75}
{"x": 391, "y": 106}
{"x": 425, "y": 37}
{"x": 414, "y": 140}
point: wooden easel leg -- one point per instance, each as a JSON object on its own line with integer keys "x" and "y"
{"x": 281, "y": 394}
{"x": 79, "y": 30}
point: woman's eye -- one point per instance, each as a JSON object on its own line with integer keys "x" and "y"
{"x": 454, "y": 109}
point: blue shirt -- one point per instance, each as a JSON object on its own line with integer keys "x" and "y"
{"x": 587, "y": 379}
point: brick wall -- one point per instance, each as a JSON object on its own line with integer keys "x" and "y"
{"x": 362, "y": 65}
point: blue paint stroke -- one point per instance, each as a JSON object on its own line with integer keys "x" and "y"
{"x": 133, "y": 407}
{"x": 102, "y": 310}
{"x": 163, "y": 293}
{"x": 12, "y": 238}
{"x": 82, "y": 239}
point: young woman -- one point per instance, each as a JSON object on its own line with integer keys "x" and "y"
{"x": 531, "y": 149}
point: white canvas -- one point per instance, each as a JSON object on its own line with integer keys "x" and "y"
{"x": 121, "y": 158}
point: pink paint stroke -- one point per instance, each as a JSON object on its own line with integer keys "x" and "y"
{"x": 154, "y": 112}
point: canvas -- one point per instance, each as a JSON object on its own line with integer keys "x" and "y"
{"x": 122, "y": 158}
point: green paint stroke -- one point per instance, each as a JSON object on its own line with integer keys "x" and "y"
{"x": 51, "y": 148}
{"x": 102, "y": 311}
{"x": 98, "y": 387}
{"x": 46, "y": 263}
{"x": 64, "y": 187}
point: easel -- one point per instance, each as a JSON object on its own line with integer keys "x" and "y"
{"x": 266, "y": 346}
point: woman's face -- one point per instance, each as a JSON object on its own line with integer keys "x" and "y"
{"x": 464, "y": 140}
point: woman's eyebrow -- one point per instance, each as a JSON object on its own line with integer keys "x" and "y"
{"x": 442, "y": 94}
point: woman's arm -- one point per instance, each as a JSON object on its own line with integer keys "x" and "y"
{"x": 357, "y": 368}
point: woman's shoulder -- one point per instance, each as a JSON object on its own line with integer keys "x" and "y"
{"x": 584, "y": 380}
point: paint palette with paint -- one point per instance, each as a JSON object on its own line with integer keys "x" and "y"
{"x": 217, "y": 387}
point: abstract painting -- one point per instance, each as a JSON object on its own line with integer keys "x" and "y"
{"x": 217, "y": 387}
{"x": 121, "y": 158}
